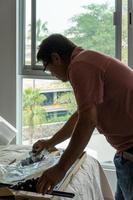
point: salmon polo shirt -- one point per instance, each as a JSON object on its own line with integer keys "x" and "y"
{"x": 106, "y": 82}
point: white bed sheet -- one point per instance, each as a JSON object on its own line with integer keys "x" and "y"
{"x": 89, "y": 183}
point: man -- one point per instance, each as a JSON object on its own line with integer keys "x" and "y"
{"x": 103, "y": 88}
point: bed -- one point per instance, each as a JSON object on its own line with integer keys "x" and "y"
{"x": 88, "y": 182}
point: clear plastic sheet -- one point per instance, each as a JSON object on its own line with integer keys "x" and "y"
{"x": 19, "y": 171}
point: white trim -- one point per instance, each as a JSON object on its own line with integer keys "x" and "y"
{"x": 33, "y": 33}
{"x": 19, "y": 64}
{"x": 36, "y": 73}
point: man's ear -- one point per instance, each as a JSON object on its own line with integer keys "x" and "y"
{"x": 56, "y": 60}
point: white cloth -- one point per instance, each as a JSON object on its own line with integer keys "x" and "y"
{"x": 7, "y": 132}
{"x": 89, "y": 183}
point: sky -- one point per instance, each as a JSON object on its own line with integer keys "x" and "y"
{"x": 58, "y": 12}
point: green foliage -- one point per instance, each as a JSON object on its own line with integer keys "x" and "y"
{"x": 58, "y": 119}
{"x": 68, "y": 102}
{"x": 93, "y": 28}
{"x": 32, "y": 107}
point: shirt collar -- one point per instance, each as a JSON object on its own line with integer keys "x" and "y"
{"x": 75, "y": 52}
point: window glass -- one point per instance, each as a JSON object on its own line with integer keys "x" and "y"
{"x": 88, "y": 23}
{"x": 124, "y": 31}
{"x": 47, "y": 104}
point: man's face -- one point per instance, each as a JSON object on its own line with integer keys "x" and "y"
{"x": 57, "y": 68}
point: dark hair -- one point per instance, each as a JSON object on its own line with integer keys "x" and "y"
{"x": 55, "y": 43}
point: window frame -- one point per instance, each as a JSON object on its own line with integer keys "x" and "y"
{"x": 35, "y": 69}
{"x": 118, "y": 28}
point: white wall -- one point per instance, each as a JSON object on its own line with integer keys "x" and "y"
{"x": 8, "y": 60}
{"x": 105, "y": 152}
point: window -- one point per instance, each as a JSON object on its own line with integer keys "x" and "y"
{"x": 88, "y": 23}
{"x": 46, "y": 102}
{"x": 124, "y": 57}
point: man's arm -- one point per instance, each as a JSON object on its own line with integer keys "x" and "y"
{"x": 81, "y": 135}
{"x": 66, "y": 131}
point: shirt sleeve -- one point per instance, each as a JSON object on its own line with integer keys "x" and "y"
{"x": 87, "y": 84}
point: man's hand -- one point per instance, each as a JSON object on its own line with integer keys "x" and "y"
{"x": 40, "y": 145}
{"x": 49, "y": 179}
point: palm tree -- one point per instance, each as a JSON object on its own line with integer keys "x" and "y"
{"x": 33, "y": 109}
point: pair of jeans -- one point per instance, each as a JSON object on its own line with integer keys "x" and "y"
{"x": 124, "y": 172}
